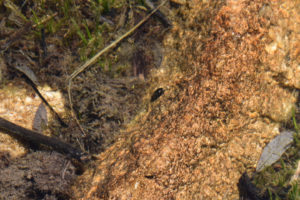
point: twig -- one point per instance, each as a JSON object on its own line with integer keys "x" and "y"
{"x": 46, "y": 102}
{"x": 164, "y": 20}
{"x": 72, "y": 109}
{"x": 35, "y": 138}
{"x": 94, "y": 58}
{"x": 32, "y": 81}
{"x": 45, "y": 20}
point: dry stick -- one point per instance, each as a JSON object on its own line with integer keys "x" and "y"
{"x": 33, "y": 83}
{"x": 36, "y": 138}
{"x": 93, "y": 59}
{"x": 45, "y": 20}
{"x": 46, "y": 102}
{"x": 161, "y": 17}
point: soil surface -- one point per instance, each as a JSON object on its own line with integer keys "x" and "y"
{"x": 229, "y": 72}
{"x": 230, "y": 75}
{"x": 38, "y": 175}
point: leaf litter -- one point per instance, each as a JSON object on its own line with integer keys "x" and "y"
{"x": 274, "y": 149}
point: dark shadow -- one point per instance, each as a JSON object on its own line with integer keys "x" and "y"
{"x": 248, "y": 191}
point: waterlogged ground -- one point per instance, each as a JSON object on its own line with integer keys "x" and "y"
{"x": 230, "y": 75}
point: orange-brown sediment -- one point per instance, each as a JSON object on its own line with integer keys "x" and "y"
{"x": 230, "y": 69}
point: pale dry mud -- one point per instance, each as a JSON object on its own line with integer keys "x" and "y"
{"x": 231, "y": 75}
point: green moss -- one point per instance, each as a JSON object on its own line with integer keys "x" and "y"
{"x": 294, "y": 192}
{"x": 79, "y": 21}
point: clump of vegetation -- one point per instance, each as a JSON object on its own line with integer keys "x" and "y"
{"x": 78, "y": 24}
{"x": 59, "y": 36}
{"x": 276, "y": 180}
{"x": 82, "y": 26}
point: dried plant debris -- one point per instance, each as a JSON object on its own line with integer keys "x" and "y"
{"x": 147, "y": 55}
{"x": 164, "y": 20}
{"x": 274, "y": 150}
{"x": 104, "y": 105}
{"x": 40, "y": 121}
{"x": 28, "y": 72}
{"x": 19, "y": 63}
{"x": 280, "y": 178}
{"x": 274, "y": 182}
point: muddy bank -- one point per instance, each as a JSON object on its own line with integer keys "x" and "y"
{"x": 38, "y": 175}
{"x": 231, "y": 74}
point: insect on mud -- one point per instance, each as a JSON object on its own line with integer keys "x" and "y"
{"x": 156, "y": 94}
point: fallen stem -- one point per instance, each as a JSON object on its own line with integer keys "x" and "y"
{"x": 31, "y": 83}
{"x": 36, "y": 139}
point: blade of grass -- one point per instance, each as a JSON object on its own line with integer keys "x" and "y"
{"x": 15, "y": 9}
{"x": 295, "y": 121}
{"x": 89, "y": 35}
{"x": 79, "y": 32}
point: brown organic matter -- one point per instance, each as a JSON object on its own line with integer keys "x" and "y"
{"x": 231, "y": 70}
{"x": 39, "y": 175}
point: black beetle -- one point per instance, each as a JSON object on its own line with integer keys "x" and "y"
{"x": 156, "y": 94}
